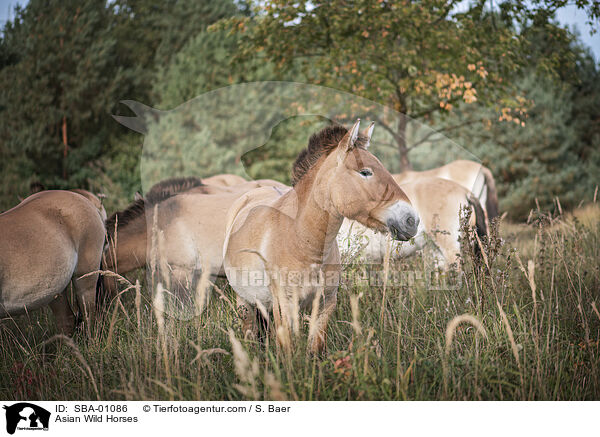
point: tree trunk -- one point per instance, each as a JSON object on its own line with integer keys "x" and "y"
{"x": 402, "y": 147}
{"x": 66, "y": 147}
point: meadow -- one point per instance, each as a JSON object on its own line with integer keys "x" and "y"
{"x": 523, "y": 323}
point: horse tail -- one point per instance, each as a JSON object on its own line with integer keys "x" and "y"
{"x": 491, "y": 203}
{"x": 101, "y": 294}
{"x": 480, "y": 222}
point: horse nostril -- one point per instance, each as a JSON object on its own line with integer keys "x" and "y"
{"x": 410, "y": 221}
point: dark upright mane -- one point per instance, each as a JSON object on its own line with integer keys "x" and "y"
{"x": 159, "y": 192}
{"x": 320, "y": 144}
{"x": 133, "y": 211}
{"x": 170, "y": 187}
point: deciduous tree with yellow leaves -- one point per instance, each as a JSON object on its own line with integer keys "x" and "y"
{"x": 421, "y": 58}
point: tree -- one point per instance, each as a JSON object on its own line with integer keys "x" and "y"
{"x": 149, "y": 36}
{"x": 420, "y": 58}
{"x": 57, "y": 95}
{"x": 205, "y": 64}
{"x": 151, "y": 33}
{"x": 555, "y": 151}
{"x": 65, "y": 65}
{"x": 535, "y": 162}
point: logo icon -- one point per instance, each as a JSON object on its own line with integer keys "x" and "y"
{"x": 26, "y": 416}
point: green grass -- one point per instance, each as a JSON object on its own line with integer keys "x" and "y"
{"x": 390, "y": 349}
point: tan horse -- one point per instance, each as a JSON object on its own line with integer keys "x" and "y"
{"x": 471, "y": 175}
{"x": 36, "y": 187}
{"x": 95, "y": 201}
{"x": 50, "y": 239}
{"x": 292, "y": 234}
{"x": 439, "y": 203}
{"x": 224, "y": 180}
{"x": 191, "y": 225}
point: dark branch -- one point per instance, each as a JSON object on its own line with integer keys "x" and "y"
{"x": 444, "y": 129}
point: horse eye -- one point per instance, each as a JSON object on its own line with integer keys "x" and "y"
{"x": 366, "y": 172}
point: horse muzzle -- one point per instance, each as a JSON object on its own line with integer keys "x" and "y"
{"x": 403, "y": 221}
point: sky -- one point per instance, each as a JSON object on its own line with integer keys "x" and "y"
{"x": 573, "y": 17}
{"x": 568, "y": 15}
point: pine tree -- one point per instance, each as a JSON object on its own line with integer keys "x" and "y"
{"x": 57, "y": 98}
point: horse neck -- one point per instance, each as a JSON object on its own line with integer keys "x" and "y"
{"x": 131, "y": 244}
{"x": 316, "y": 224}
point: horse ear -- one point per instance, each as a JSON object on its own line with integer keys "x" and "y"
{"x": 348, "y": 141}
{"x": 138, "y": 196}
{"x": 368, "y": 133}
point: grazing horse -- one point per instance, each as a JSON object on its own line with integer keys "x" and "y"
{"x": 473, "y": 176}
{"x": 291, "y": 233}
{"x": 191, "y": 224}
{"x": 50, "y": 239}
{"x": 439, "y": 203}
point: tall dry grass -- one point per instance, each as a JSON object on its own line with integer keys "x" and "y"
{"x": 522, "y": 324}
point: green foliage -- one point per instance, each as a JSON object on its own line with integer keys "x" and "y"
{"x": 185, "y": 20}
{"x": 418, "y": 58}
{"x": 553, "y": 150}
{"x": 120, "y": 175}
{"x": 151, "y": 33}
{"x": 204, "y": 64}
{"x": 533, "y": 161}
{"x": 206, "y": 128}
{"x": 69, "y": 63}
{"x": 174, "y": 59}
{"x": 226, "y": 131}
{"x": 274, "y": 159}
{"x": 64, "y": 66}
{"x": 526, "y": 11}
{"x": 64, "y": 86}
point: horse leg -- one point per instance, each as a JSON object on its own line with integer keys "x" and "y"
{"x": 85, "y": 292}
{"x": 248, "y": 315}
{"x": 181, "y": 281}
{"x": 65, "y": 319}
{"x": 318, "y": 337}
{"x": 85, "y": 284}
{"x": 111, "y": 286}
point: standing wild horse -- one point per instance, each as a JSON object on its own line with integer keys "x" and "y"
{"x": 439, "y": 203}
{"x": 473, "y": 176}
{"x": 190, "y": 227}
{"x": 224, "y": 180}
{"x": 292, "y": 235}
{"x": 50, "y": 239}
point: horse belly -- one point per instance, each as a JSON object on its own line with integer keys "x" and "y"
{"x": 28, "y": 293}
{"x": 253, "y": 290}
{"x": 31, "y": 282}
